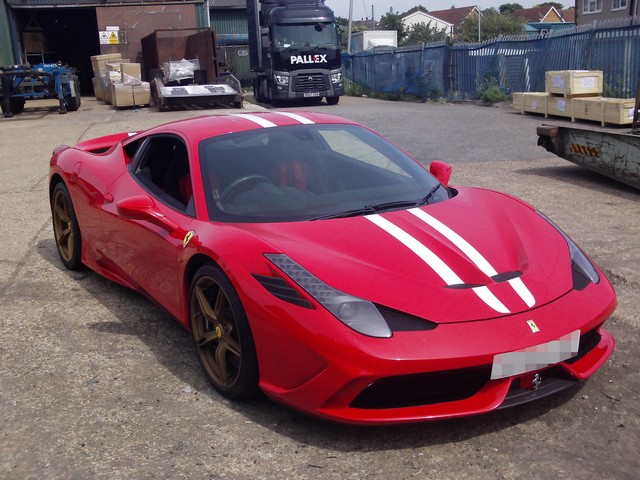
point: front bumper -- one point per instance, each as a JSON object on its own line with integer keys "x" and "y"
{"x": 442, "y": 373}
{"x": 307, "y": 86}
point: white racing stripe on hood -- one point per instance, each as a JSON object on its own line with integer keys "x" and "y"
{"x": 296, "y": 117}
{"x": 256, "y": 119}
{"x": 432, "y": 260}
{"x": 474, "y": 255}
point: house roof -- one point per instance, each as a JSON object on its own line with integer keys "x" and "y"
{"x": 455, "y": 16}
{"x": 536, "y": 14}
{"x": 427, "y": 17}
{"x": 569, "y": 15}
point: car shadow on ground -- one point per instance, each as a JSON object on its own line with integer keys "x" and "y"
{"x": 172, "y": 347}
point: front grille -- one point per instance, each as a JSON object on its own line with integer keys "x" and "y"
{"x": 309, "y": 83}
{"x": 423, "y": 388}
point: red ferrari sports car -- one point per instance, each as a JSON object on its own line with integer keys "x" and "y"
{"x": 317, "y": 262}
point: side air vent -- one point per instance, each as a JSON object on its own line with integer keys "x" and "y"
{"x": 403, "y": 322}
{"x": 279, "y": 288}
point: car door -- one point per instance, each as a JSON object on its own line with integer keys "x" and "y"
{"x": 146, "y": 223}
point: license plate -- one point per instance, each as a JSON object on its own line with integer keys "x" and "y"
{"x": 536, "y": 357}
{"x": 312, "y": 94}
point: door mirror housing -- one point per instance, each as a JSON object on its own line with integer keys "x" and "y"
{"x": 441, "y": 170}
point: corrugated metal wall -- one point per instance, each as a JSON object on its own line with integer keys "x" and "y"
{"x": 516, "y": 64}
{"x": 229, "y": 21}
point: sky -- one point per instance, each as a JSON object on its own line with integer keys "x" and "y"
{"x": 362, "y": 8}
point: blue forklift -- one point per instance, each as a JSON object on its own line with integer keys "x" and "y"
{"x": 32, "y": 82}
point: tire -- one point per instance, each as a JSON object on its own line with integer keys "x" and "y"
{"x": 72, "y": 102}
{"x": 15, "y": 104}
{"x": 66, "y": 230}
{"x": 221, "y": 334}
{"x": 333, "y": 100}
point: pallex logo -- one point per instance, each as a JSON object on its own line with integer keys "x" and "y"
{"x": 304, "y": 59}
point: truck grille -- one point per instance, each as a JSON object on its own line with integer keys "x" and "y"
{"x": 309, "y": 83}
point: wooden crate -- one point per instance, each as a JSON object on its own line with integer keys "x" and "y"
{"x": 532, "y": 102}
{"x": 588, "y": 108}
{"x": 560, "y": 106}
{"x": 618, "y": 111}
{"x": 574, "y": 82}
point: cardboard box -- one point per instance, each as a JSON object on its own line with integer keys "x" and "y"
{"x": 560, "y": 106}
{"x": 574, "y": 82}
{"x": 116, "y": 66}
{"x": 130, "y": 95}
{"x": 33, "y": 42}
{"x": 131, "y": 70}
{"x": 99, "y": 62}
{"x": 98, "y": 89}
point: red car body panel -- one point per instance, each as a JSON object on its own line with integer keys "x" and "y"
{"x": 308, "y": 359}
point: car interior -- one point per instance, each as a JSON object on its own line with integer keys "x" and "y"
{"x": 161, "y": 164}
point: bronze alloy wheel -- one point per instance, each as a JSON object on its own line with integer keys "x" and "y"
{"x": 65, "y": 227}
{"x": 221, "y": 334}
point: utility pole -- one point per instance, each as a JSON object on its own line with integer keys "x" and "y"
{"x": 349, "y": 28}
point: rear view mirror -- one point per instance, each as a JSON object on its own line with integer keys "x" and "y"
{"x": 441, "y": 170}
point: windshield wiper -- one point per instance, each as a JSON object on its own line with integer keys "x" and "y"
{"x": 428, "y": 196}
{"x": 368, "y": 209}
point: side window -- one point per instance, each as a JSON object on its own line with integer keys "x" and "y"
{"x": 162, "y": 165}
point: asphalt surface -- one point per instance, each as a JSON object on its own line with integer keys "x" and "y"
{"x": 96, "y": 382}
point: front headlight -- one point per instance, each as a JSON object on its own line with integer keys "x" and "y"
{"x": 282, "y": 79}
{"x": 356, "y": 313}
{"x": 336, "y": 77}
{"x": 584, "y": 272}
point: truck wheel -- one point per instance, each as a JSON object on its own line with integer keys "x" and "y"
{"x": 333, "y": 100}
{"x": 73, "y": 102}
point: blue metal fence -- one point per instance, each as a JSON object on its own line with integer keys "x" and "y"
{"x": 515, "y": 63}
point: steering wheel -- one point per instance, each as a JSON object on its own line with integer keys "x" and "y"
{"x": 233, "y": 189}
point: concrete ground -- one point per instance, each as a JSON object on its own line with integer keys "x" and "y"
{"x": 96, "y": 382}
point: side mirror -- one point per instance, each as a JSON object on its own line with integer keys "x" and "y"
{"x": 441, "y": 170}
{"x": 144, "y": 208}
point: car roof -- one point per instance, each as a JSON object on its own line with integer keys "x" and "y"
{"x": 213, "y": 125}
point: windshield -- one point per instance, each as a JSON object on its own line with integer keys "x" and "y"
{"x": 308, "y": 172}
{"x": 300, "y": 34}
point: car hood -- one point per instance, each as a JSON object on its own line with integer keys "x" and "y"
{"x": 478, "y": 255}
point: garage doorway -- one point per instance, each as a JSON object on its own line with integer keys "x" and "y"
{"x": 69, "y": 35}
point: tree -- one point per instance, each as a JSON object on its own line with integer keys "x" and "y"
{"x": 556, "y": 5}
{"x": 492, "y": 24}
{"x": 393, "y": 21}
{"x": 509, "y": 7}
{"x": 423, "y": 33}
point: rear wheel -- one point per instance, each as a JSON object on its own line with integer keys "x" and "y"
{"x": 221, "y": 333}
{"x": 65, "y": 228}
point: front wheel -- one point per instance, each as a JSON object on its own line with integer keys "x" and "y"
{"x": 333, "y": 100}
{"x": 222, "y": 336}
{"x": 65, "y": 228}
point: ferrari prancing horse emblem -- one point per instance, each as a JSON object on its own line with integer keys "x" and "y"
{"x": 187, "y": 238}
{"x": 532, "y": 325}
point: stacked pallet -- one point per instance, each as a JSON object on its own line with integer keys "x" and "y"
{"x": 118, "y": 81}
{"x": 576, "y": 94}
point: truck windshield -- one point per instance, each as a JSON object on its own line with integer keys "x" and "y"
{"x": 304, "y": 34}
